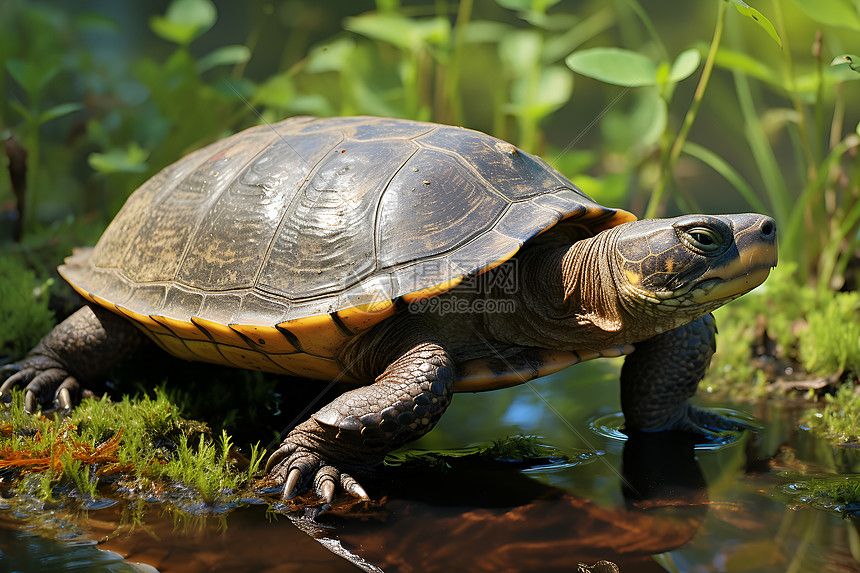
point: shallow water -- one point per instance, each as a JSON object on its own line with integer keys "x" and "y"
{"x": 650, "y": 503}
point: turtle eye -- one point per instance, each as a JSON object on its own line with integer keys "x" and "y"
{"x": 704, "y": 239}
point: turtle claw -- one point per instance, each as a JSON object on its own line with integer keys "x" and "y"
{"x": 353, "y": 488}
{"x": 63, "y": 401}
{"x": 295, "y": 466}
{"x": 31, "y": 404}
{"x": 16, "y": 376}
{"x": 290, "y": 489}
{"x": 326, "y": 490}
{"x": 43, "y": 383}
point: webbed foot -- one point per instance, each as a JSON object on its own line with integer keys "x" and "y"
{"x": 304, "y": 459}
{"x": 78, "y": 351}
{"x": 44, "y": 380}
{"x": 413, "y": 382}
{"x": 707, "y": 423}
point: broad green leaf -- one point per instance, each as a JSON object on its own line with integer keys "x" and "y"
{"x": 129, "y": 160}
{"x": 405, "y": 33}
{"x": 233, "y": 88}
{"x": 184, "y": 21}
{"x": 635, "y": 131}
{"x": 59, "y": 111}
{"x": 388, "y": 5}
{"x": 614, "y": 66}
{"x": 200, "y": 13}
{"x": 806, "y": 84}
{"x": 23, "y": 111}
{"x": 520, "y": 52}
{"x": 31, "y": 75}
{"x": 573, "y": 162}
{"x": 685, "y": 64}
{"x": 552, "y": 91}
{"x": 224, "y": 56}
{"x": 662, "y": 73}
{"x": 858, "y": 129}
{"x": 536, "y": 6}
{"x": 743, "y": 62}
{"x": 277, "y": 91}
{"x": 850, "y": 61}
{"x": 330, "y": 57}
{"x": 550, "y": 22}
{"x": 750, "y": 12}
{"x": 171, "y": 31}
{"x": 311, "y": 104}
{"x": 839, "y": 13}
{"x": 610, "y": 189}
{"x": 650, "y": 118}
{"x": 484, "y": 31}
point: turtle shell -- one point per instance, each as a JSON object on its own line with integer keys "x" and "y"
{"x": 271, "y": 248}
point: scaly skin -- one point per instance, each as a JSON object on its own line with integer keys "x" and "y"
{"x": 413, "y": 388}
{"x": 79, "y": 352}
{"x": 655, "y": 390}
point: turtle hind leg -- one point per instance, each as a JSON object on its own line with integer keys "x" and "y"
{"x": 356, "y": 430}
{"x": 79, "y": 351}
{"x": 663, "y": 373}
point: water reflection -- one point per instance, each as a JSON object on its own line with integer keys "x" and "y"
{"x": 648, "y": 502}
{"x": 493, "y": 517}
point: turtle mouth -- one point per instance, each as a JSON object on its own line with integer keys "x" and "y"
{"x": 718, "y": 289}
{"x": 709, "y": 290}
{"x": 743, "y": 273}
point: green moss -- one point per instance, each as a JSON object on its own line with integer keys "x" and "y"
{"x": 839, "y": 420}
{"x": 833, "y": 493}
{"x": 831, "y": 343}
{"x": 790, "y": 327}
{"x": 208, "y": 467}
{"x": 24, "y": 313}
{"x": 143, "y": 444}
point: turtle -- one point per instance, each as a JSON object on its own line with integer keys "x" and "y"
{"x": 414, "y": 260}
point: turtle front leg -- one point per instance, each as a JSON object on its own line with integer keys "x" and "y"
{"x": 663, "y": 373}
{"x": 80, "y": 350}
{"x": 357, "y": 429}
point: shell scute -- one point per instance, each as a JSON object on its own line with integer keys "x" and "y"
{"x": 272, "y": 248}
{"x": 452, "y": 195}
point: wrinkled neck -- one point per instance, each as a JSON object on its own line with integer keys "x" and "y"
{"x": 591, "y": 293}
{"x": 566, "y": 299}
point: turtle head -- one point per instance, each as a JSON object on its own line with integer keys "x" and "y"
{"x": 682, "y": 268}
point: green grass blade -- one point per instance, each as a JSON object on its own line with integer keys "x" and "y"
{"x": 728, "y": 172}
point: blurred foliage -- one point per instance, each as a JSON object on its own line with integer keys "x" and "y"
{"x": 24, "y": 311}
{"x": 661, "y": 109}
{"x": 100, "y": 100}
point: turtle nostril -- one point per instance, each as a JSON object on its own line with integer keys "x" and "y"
{"x": 768, "y": 228}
